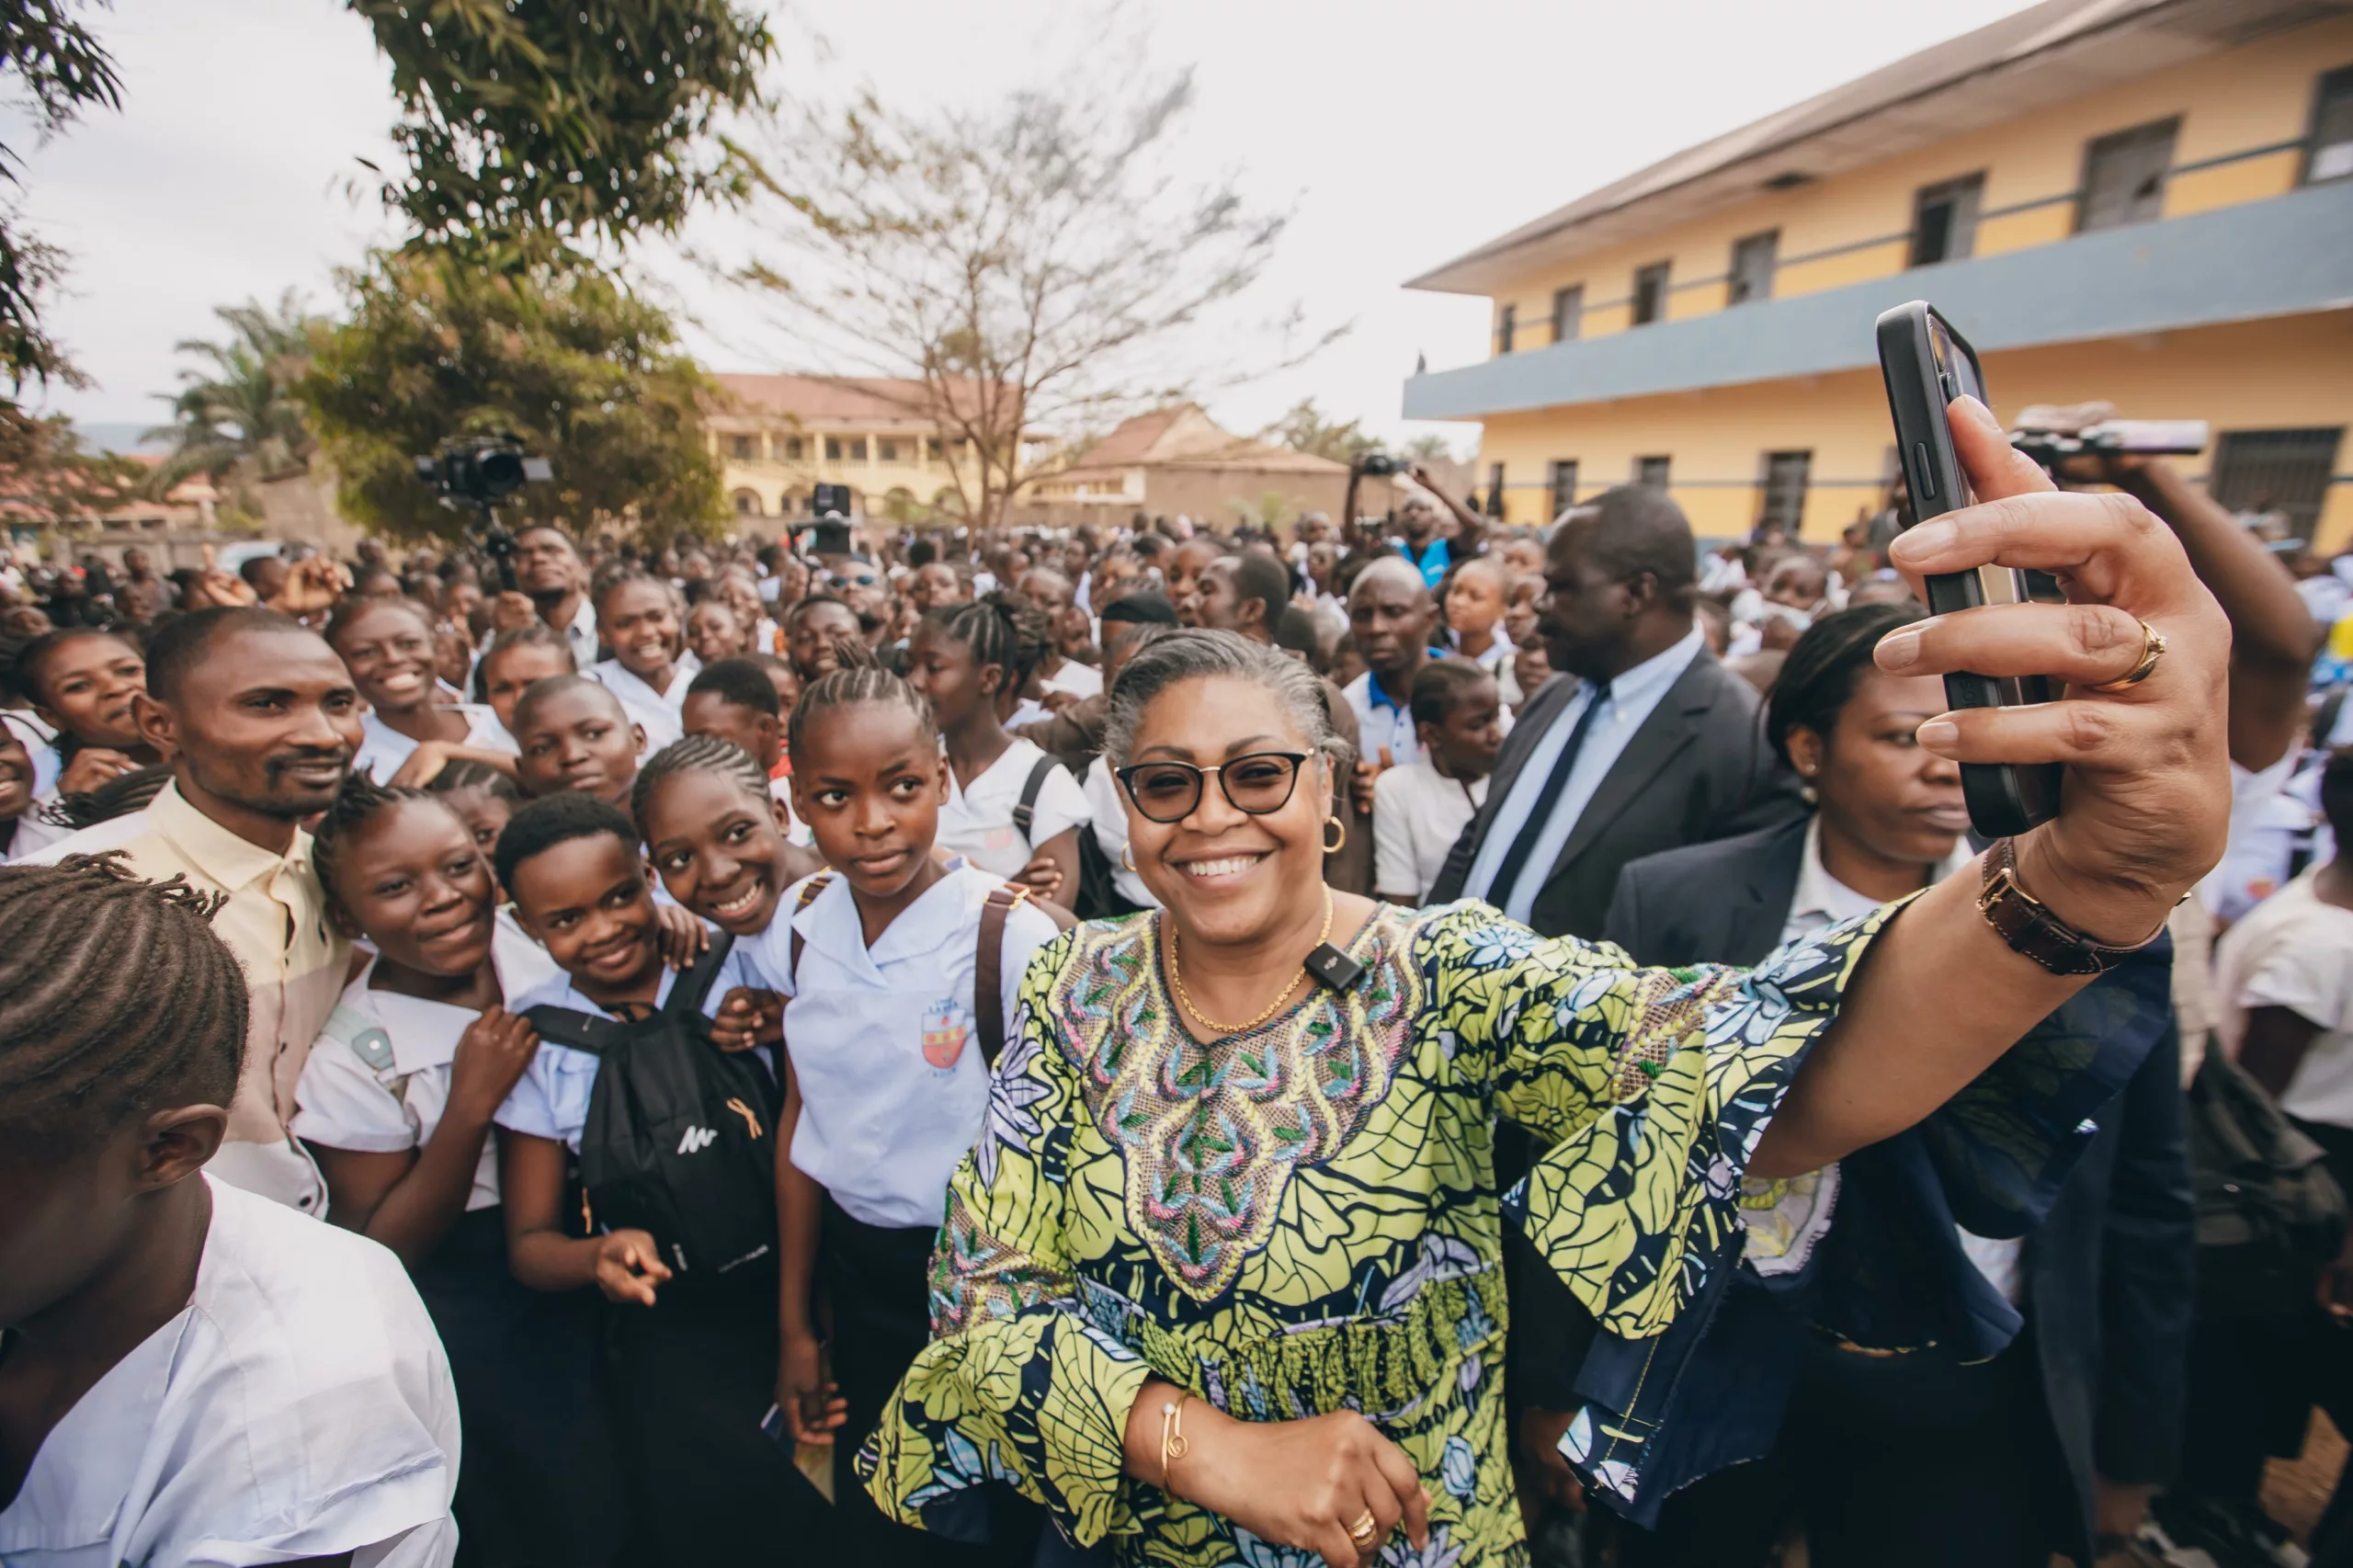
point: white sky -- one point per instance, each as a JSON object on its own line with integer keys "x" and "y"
{"x": 1404, "y": 134}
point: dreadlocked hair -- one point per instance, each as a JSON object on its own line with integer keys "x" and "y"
{"x": 1001, "y": 629}
{"x": 695, "y": 753}
{"x": 358, "y": 802}
{"x": 116, "y": 999}
{"x": 861, "y": 678}
{"x": 118, "y": 797}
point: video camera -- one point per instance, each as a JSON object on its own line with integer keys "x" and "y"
{"x": 1380, "y": 465}
{"x": 479, "y": 471}
{"x": 829, "y": 502}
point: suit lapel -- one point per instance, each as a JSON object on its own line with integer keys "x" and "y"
{"x": 1754, "y": 926}
{"x": 1672, "y": 725}
{"x": 1543, "y": 710}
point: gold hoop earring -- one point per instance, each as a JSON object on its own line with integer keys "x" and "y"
{"x": 1128, "y": 857}
{"x": 1336, "y": 821}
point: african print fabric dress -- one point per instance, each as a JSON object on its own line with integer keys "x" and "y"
{"x": 1302, "y": 1218}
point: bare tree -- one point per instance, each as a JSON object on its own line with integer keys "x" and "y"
{"x": 1035, "y": 269}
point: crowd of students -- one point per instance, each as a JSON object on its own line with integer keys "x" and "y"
{"x": 483, "y": 854}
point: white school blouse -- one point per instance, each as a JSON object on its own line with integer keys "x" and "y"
{"x": 382, "y": 749}
{"x": 299, "y": 1407}
{"x": 655, "y": 712}
{"x": 378, "y": 1080}
{"x": 977, "y": 823}
{"x": 551, "y": 1100}
{"x": 883, "y": 1040}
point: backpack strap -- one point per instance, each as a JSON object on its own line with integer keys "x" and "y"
{"x": 688, "y": 993}
{"x": 988, "y": 971}
{"x": 809, "y": 891}
{"x": 1025, "y": 811}
{"x": 581, "y": 1031}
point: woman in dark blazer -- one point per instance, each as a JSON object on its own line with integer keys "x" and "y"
{"x": 1941, "y": 1456}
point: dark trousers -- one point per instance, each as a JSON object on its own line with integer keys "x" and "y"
{"x": 693, "y": 1375}
{"x": 1915, "y": 1461}
{"x": 540, "y": 1479}
{"x": 878, "y": 1279}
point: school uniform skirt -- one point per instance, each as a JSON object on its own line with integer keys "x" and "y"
{"x": 538, "y": 1478}
{"x": 878, "y": 1279}
{"x": 692, "y": 1377}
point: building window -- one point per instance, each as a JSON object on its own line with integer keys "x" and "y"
{"x": 2276, "y": 471}
{"x": 1568, "y": 312}
{"x": 1565, "y": 484}
{"x": 792, "y": 448}
{"x": 2124, "y": 178}
{"x": 2328, "y": 152}
{"x": 1652, "y": 472}
{"x": 1752, "y": 268}
{"x": 1944, "y": 219}
{"x": 747, "y": 504}
{"x": 1495, "y": 490}
{"x": 931, "y": 449}
{"x": 1786, "y": 475}
{"x": 744, "y": 448}
{"x": 1650, "y": 292}
{"x": 890, "y": 449}
{"x": 1506, "y": 328}
{"x": 833, "y": 449}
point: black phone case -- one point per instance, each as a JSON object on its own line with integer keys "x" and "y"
{"x": 2004, "y": 798}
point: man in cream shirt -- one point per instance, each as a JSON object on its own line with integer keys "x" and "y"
{"x": 261, "y": 722}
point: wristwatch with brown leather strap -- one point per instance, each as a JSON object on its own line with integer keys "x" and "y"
{"x": 2028, "y": 926}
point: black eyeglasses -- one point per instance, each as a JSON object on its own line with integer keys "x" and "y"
{"x": 1259, "y": 783}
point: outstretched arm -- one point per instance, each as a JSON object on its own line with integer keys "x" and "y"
{"x": 1469, "y": 526}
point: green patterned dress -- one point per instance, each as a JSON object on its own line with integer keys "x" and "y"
{"x": 1302, "y": 1218}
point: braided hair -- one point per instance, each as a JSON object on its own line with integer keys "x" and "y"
{"x": 116, "y": 1000}
{"x": 1819, "y": 676}
{"x": 861, "y": 678}
{"x": 696, "y": 754}
{"x": 537, "y": 634}
{"x": 360, "y": 801}
{"x": 1001, "y": 629}
{"x": 118, "y": 797}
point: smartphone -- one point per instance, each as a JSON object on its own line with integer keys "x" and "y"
{"x": 1927, "y": 364}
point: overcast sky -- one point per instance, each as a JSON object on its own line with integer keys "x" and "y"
{"x": 1403, "y": 134}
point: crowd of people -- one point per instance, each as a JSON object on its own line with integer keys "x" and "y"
{"x": 689, "y": 1052}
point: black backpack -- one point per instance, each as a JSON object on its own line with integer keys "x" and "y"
{"x": 2268, "y": 1213}
{"x": 1025, "y": 810}
{"x": 680, "y": 1140}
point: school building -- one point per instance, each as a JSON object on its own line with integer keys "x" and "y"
{"x": 2145, "y": 201}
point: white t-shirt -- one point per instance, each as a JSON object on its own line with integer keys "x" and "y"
{"x": 1079, "y": 680}
{"x": 382, "y": 749}
{"x": 299, "y": 1407}
{"x": 1106, "y": 801}
{"x": 1417, "y": 814}
{"x": 884, "y": 1041}
{"x": 655, "y": 712}
{"x": 378, "y": 1080}
{"x": 2267, "y": 821}
{"x": 2294, "y": 950}
{"x": 551, "y": 1100}
{"x": 978, "y": 822}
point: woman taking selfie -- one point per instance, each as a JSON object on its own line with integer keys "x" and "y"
{"x": 1222, "y": 1276}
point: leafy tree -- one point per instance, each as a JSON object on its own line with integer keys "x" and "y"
{"x": 1305, "y": 429}
{"x": 532, "y": 123}
{"x": 1037, "y": 267}
{"x": 47, "y": 476}
{"x": 57, "y": 68}
{"x": 584, "y": 371}
{"x": 237, "y": 417}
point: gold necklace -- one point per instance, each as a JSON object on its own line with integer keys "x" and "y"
{"x": 1176, "y": 973}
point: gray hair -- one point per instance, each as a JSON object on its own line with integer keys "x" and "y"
{"x": 1193, "y": 655}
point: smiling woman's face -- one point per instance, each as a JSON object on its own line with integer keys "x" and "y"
{"x": 1227, "y": 877}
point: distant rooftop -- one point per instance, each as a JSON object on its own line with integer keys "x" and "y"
{"x": 2044, "y": 54}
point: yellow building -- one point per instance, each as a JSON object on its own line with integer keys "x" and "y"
{"x": 778, "y": 435}
{"x": 2146, "y": 201}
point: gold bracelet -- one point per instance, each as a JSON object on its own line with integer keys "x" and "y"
{"x": 1173, "y": 1445}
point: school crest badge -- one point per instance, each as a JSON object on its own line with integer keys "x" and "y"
{"x": 945, "y": 1027}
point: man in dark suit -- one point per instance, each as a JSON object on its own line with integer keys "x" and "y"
{"x": 2100, "y": 1373}
{"x": 1643, "y": 742}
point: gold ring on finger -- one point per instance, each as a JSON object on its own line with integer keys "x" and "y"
{"x": 2153, "y": 648}
{"x": 1365, "y": 1529}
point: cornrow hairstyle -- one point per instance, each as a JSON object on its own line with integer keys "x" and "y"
{"x": 696, "y": 754}
{"x": 1439, "y": 684}
{"x": 178, "y": 648}
{"x": 539, "y": 826}
{"x": 117, "y": 1000}
{"x": 32, "y": 659}
{"x": 858, "y": 680}
{"x": 360, "y": 801}
{"x": 118, "y": 797}
{"x": 464, "y": 772}
{"x": 539, "y": 634}
{"x": 1001, "y": 629}
{"x": 738, "y": 680}
{"x": 347, "y": 610}
{"x": 1823, "y": 666}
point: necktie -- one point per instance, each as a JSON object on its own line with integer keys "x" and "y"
{"x": 1539, "y": 815}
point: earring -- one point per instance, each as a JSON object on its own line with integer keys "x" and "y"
{"x": 1128, "y": 856}
{"x": 1333, "y": 849}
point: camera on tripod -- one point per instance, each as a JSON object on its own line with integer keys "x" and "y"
{"x": 1380, "y": 465}
{"x": 482, "y": 471}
